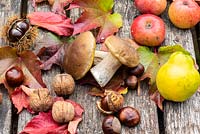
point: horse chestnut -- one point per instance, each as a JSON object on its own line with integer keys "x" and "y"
{"x": 137, "y": 71}
{"x": 129, "y": 116}
{"x": 18, "y": 29}
{"x": 131, "y": 81}
{"x": 14, "y": 76}
{"x": 111, "y": 125}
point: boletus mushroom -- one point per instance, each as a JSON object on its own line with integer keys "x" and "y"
{"x": 120, "y": 52}
{"x": 79, "y": 55}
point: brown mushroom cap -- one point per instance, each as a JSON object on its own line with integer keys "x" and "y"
{"x": 122, "y": 50}
{"x": 79, "y": 56}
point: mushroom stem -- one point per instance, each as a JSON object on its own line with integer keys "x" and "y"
{"x": 99, "y": 56}
{"x": 104, "y": 71}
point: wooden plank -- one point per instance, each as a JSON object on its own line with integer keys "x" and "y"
{"x": 181, "y": 117}
{"x": 7, "y": 9}
{"x": 25, "y": 116}
{"x": 147, "y": 108}
{"x": 92, "y": 119}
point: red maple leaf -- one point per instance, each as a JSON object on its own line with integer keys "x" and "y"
{"x": 58, "y": 24}
{"x": 97, "y": 13}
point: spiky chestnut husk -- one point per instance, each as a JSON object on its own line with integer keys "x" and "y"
{"x": 26, "y": 41}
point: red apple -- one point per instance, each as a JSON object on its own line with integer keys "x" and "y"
{"x": 148, "y": 30}
{"x": 184, "y": 13}
{"x": 151, "y": 6}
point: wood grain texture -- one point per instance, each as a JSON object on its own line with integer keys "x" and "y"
{"x": 181, "y": 118}
{"x": 146, "y": 107}
{"x": 8, "y": 8}
{"x": 47, "y": 76}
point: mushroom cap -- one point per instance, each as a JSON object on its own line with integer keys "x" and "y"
{"x": 122, "y": 50}
{"x": 79, "y": 55}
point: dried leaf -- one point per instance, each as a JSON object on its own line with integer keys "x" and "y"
{"x": 53, "y": 22}
{"x": 96, "y": 92}
{"x": 1, "y": 98}
{"x": 44, "y": 124}
{"x": 27, "y": 61}
{"x": 51, "y": 55}
{"x": 97, "y": 13}
{"x": 59, "y": 6}
{"x": 20, "y": 99}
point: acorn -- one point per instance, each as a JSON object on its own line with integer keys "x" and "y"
{"x": 112, "y": 102}
{"x": 19, "y": 33}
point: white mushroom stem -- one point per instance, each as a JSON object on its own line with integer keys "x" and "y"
{"x": 105, "y": 70}
{"x": 99, "y": 56}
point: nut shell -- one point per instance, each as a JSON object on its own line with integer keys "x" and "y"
{"x": 63, "y": 84}
{"x": 112, "y": 102}
{"x": 40, "y": 100}
{"x": 111, "y": 125}
{"x": 63, "y": 111}
{"x": 129, "y": 116}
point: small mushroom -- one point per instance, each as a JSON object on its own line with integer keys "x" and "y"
{"x": 121, "y": 52}
{"x": 79, "y": 56}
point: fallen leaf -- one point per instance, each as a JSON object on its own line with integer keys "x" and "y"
{"x": 20, "y": 99}
{"x": 58, "y": 24}
{"x": 27, "y": 61}
{"x": 97, "y": 14}
{"x": 96, "y": 92}
{"x": 51, "y": 55}
{"x": 44, "y": 124}
{"x": 1, "y": 98}
{"x": 59, "y": 6}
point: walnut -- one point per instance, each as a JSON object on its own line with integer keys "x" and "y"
{"x": 63, "y": 84}
{"x": 40, "y": 100}
{"x": 63, "y": 111}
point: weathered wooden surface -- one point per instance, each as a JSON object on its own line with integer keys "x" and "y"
{"x": 7, "y": 9}
{"x": 178, "y": 117}
{"x": 181, "y": 117}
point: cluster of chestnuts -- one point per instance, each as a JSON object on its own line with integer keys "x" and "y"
{"x": 133, "y": 75}
{"x": 112, "y": 104}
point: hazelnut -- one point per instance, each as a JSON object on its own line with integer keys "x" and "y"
{"x": 63, "y": 84}
{"x": 112, "y": 102}
{"x": 111, "y": 125}
{"x": 129, "y": 116}
{"x": 63, "y": 111}
{"x": 40, "y": 100}
{"x": 137, "y": 71}
{"x": 14, "y": 76}
{"x": 131, "y": 81}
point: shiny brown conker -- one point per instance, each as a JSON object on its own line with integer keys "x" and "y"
{"x": 14, "y": 76}
{"x": 17, "y": 30}
{"x": 137, "y": 71}
{"x": 129, "y": 116}
{"x": 131, "y": 81}
{"x": 111, "y": 125}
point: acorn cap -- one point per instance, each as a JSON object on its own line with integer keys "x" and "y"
{"x": 79, "y": 56}
{"x": 122, "y": 50}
